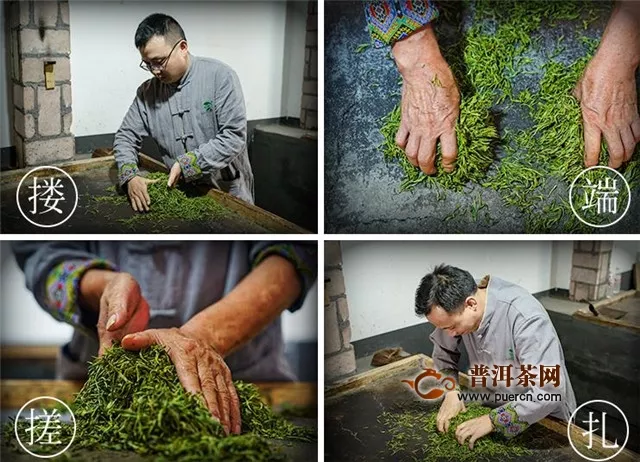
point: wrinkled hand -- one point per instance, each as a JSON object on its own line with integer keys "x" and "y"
{"x": 174, "y": 175}
{"x": 138, "y": 194}
{"x": 123, "y": 310}
{"x": 607, "y": 89}
{"x": 200, "y": 369}
{"x": 474, "y": 429}
{"x": 609, "y": 102}
{"x": 451, "y": 406}
{"x": 430, "y": 102}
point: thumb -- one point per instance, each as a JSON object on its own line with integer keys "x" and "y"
{"x": 464, "y": 408}
{"x": 174, "y": 174}
{"x": 120, "y": 309}
{"x": 140, "y": 340}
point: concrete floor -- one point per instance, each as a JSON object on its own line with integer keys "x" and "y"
{"x": 361, "y": 189}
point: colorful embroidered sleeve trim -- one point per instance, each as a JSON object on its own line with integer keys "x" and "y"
{"x": 126, "y": 172}
{"x": 506, "y": 421}
{"x": 392, "y": 20}
{"x": 304, "y": 260}
{"x": 62, "y": 288}
{"x": 189, "y": 165}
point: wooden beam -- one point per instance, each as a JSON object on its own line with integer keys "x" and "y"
{"x": 29, "y": 352}
{"x": 15, "y": 393}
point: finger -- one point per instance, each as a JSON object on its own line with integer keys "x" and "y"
{"x": 142, "y": 200}
{"x": 146, "y": 197}
{"x": 134, "y": 205}
{"x": 402, "y": 136}
{"x": 592, "y": 138}
{"x": 412, "y": 149}
{"x": 236, "y": 417}
{"x": 187, "y": 370}
{"x": 616, "y": 148}
{"x": 449, "y": 147}
{"x": 472, "y": 440}
{"x": 172, "y": 178}
{"x": 101, "y": 325}
{"x": 635, "y": 128}
{"x": 464, "y": 408}
{"x": 139, "y": 207}
{"x": 210, "y": 392}
{"x": 427, "y": 155}
{"x": 224, "y": 398}
{"x": 120, "y": 307}
{"x": 440, "y": 423}
{"x": 628, "y": 142}
{"x": 462, "y": 435}
{"x": 140, "y": 340}
{"x": 234, "y": 401}
{"x": 447, "y": 422}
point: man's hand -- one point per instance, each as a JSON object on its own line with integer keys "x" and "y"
{"x": 137, "y": 190}
{"x": 451, "y": 406}
{"x": 123, "y": 310}
{"x": 474, "y": 429}
{"x": 200, "y": 369}
{"x": 607, "y": 89}
{"x": 430, "y": 102}
{"x": 174, "y": 175}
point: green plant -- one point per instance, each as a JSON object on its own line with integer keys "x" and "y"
{"x": 133, "y": 401}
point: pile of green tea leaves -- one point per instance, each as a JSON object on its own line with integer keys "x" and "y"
{"x": 133, "y": 401}
{"x": 415, "y": 432}
{"x": 531, "y": 167}
{"x": 184, "y": 203}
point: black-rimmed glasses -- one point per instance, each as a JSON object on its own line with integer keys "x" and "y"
{"x": 159, "y": 64}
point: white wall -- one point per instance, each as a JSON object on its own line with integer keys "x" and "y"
{"x": 23, "y": 322}
{"x": 561, "y": 257}
{"x": 249, "y": 36}
{"x": 624, "y": 255}
{"x": 381, "y": 277}
{"x": 6, "y": 89}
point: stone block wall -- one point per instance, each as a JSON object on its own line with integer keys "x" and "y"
{"x": 40, "y": 34}
{"x": 339, "y": 355}
{"x": 590, "y": 270}
{"x": 309, "y": 108}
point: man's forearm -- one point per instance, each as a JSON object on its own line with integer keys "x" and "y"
{"x": 261, "y": 296}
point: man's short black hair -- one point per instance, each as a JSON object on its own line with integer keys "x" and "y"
{"x": 161, "y": 25}
{"x": 447, "y": 287}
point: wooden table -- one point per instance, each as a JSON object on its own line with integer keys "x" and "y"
{"x": 353, "y": 432}
{"x": 92, "y": 178}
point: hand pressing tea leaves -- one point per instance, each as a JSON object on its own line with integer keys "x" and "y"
{"x": 415, "y": 427}
{"x": 185, "y": 203}
{"x": 498, "y": 50}
{"x": 133, "y": 401}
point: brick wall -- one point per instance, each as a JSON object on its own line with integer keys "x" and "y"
{"x": 39, "y": 33}
{"x": 309, "y": 108}
{"x": 590, "y": 270}
{"x": 339, "y": 355}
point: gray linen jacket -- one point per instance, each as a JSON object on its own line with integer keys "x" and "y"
{"x": 199, "y": 122}
{"x": 515, "y": 330}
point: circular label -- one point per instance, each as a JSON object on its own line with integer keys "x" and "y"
{"x": 45, "y": 198}
{"x": 15, "y": 426}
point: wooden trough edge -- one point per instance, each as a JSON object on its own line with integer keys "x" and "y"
{"x": 15, "y": 393}
{"x": 349, "y": 385}
{"x": 261, "y": 216}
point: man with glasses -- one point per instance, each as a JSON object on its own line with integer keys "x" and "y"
{"x": 193, "y": 108}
